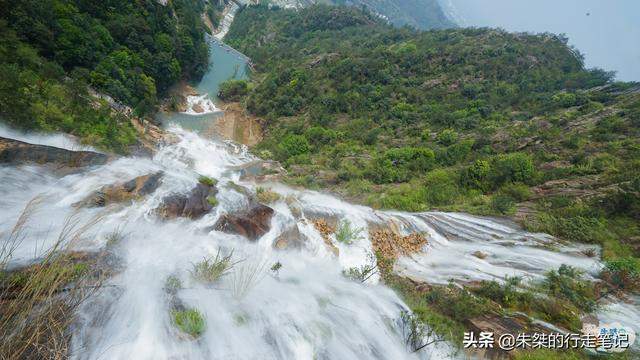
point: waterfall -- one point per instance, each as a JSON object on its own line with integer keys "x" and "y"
{"x": 307, "y": 310}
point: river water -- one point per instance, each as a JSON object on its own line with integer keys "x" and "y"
{"x": 224, "y": 63}
{"x": 309, "y": 310}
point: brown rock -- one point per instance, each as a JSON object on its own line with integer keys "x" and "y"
{"x": 252, "y": 224}
{"x": 291, "y": 238}
{"x": 193, "y": 205}
{"x": 390, "y": 244}
{"x": 16, "y": 152}
{"x": 480, "y": 254}
{"x": 132, "y": 189}
{"x": 325, "y": 231}
{"x": 198, "y": 108}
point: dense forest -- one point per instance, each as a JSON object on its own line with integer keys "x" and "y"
{"x": 51, "y": 50}
{"x": 475, "y": 120}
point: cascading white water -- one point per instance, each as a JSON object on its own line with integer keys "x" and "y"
{"x": 200, "y": 105}
{"x": 309, "y": 310}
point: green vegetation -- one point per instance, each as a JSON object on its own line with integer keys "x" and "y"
{"x": 172, "y": 284}
{"x": 211, "y": 200}
{"x": 233, "y": 90}
{"x": 476, "y": 120}
{"x": 266, "y": 196}
{"x": 623, "y": 273}
{"x": 206, "y": 180}
{"x": 189, "y": 321}
{"x": 346, "y": 233}
{"x": 210, "y": 270}
{"x": 40, "y": 301}
{"x": 52, "y": 50}
{"x": 560, "y": 298}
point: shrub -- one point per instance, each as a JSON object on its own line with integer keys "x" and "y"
{"x": 266, "y": 196}
{"x": 514, "y": 167}
{"x": 566, "y": 283}
{"x": 447, "y": 137}
{"x": 319, "y": 136}
{"x": 347, "y": 233}
{"x": 517, "y": 191}
{"x": 233, "y": 90}
{"x": 189, "y": 321}
{"x": 502, "y": 204}
{"x": 294, "y": 145}
{"x": 476, "y": 176}
{"x": 623, "y": 273}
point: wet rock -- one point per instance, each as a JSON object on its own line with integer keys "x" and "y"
{"x": 16, "y": 152}
{"x": 193, "y": 205}
{"x": 261, "y": 171}
{"x": 480, "y": 254}
{"x": 251, "y": 224}
{"x": 132, "y": 189}
{"x": 291, "y": 238}
{"x": 325, "y": 231}
{"x": 391, "y": 244}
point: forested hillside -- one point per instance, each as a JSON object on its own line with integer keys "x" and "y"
{"x": 420, "y": 14}
{"x": 476, "y": 120}
{"x": 50, "y": 50}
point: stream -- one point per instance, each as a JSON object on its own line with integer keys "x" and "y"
{"x": 308, "y": 310}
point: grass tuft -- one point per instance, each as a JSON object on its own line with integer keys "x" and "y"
{"x": 210, "y": 270}
{"x": 189, "y": 321}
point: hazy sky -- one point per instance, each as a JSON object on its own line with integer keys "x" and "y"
{"x": 609, "y": 36}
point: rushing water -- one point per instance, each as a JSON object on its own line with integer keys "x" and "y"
{"x": 308, "y": 311}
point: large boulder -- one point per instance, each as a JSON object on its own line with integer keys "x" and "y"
{"x": 193, "y": 205}
{"x": 16, "y": 152}
{"x": 132, "y": 189}
{"x": 252, "y": 224}
{"x": 290, "y": 238}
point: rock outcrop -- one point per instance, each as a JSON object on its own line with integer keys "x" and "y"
{"x": 325, "y": 231}
{"x": 290, "y": 238}
{"x": 14, "y": 152}
{"x": 390, "y": 244}
{"x": 193, "y": 205}
{"x": 130, "y": 190}
{"x": 252, "y": 224}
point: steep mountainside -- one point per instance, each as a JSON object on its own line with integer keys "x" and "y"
{"x": 133, "y": 51}
{"x": 420, "y": 14}
{"x": 477, "y": 120}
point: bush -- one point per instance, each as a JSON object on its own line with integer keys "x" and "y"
{"x": 447, "y": 137}
{"x": 233, "y": 90}
{"x": 294, "y": 145}
{"x": 266, "y": 196}
{"x": 624, "y": 273}
{"x": 189, "y": 321}
{"x": 503, "y": 204}
{"x": 514, "y": 167}
{"x": 477, "y": 175}
{"x": 517, "y": 191}
{"x": 347, "y": 233}
{"x": 567, "y": 283}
